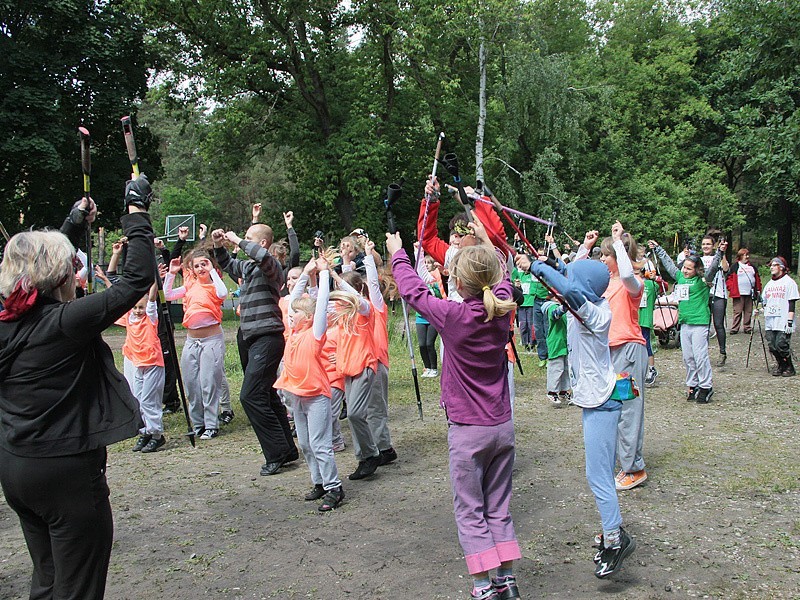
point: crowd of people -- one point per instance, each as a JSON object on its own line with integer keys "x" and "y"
{"x": 314, "y": 347}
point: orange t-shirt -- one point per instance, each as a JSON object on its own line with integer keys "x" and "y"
{"x": 201, "y": 306}
{"x": 356, "y": 349}
{"x": 624, "y": 314}
{"x": 303, "y": 369}
{"x": 380, "y": 333}
{"x": 142, "y": 346}
{"x": 283, "y": 304}
{"x": 335, "y": 378}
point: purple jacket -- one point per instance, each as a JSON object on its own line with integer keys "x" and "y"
{"x": 475, "y": 366}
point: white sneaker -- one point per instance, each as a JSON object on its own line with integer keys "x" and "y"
{"x": 433, "y": 373}
{"x": 426, "y": 373}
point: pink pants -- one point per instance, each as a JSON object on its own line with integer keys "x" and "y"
{"x": 481, "y": 460}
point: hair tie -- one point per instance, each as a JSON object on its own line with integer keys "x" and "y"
{"x": 486, "y": 287}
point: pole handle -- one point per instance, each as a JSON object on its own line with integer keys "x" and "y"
{"x": 130, "y": 143}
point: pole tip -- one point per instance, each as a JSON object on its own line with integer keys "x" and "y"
{"x": 83, "y": 131}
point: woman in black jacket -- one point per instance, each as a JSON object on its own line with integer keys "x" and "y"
{"x": 62, "y": 400}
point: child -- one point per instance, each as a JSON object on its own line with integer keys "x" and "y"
{"x": 475, "y": 397}
{"x": 305, "y": 384}
{"x": 780, "y": 296}
{"x": 557, "y": 364}
{"x": 719, "y": 292}
{"x": 694, "y": 317}
{"x": 521, "y": 277}
{"x": 203, "y": 355}
{"x": 426, "y": 333}
{"x": 144, "y": 369}
{"x": 647, "y": 307}
{"x": 593, "y": 383}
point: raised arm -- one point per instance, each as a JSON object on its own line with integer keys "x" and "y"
{"x": 373, "y": 282}
{"x": 219, "y": 285}
{"x": 294, "y": 244}
{"x": 321, "y": 310}
{"x": 664, "y": 258}
{"x": 716, "y": 263}
{"x": 171, "y": 293}
{"x": 624, "y": 264}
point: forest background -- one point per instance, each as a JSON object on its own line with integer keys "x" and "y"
{"x": 672, "y": 116}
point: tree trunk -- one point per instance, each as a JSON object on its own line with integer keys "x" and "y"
{"x": 482, "y": 52}
{"x": 785, "y": 230}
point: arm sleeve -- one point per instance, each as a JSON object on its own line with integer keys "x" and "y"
{"x": 294, "y": 248}
{"x": 321, "y": 310}
{"x": 232, "y": 266}
{"x": 219, "y": 285}
{"x": 177, "y": 250}
{"x": 90, "y": 315}
{"x": 430, "y": 240}
{"x": 626, "y": 274}
{"x": 583, "y": 252}
{"x": 265, "y": 261}
{"x": 152, "y": 311}
{"x": 74, "y": 227}
{"x": 666, "y": 261}
{"x": 373, "y": 283}
{"x": 713, "y": 267}
{"x": 493, "y": 225}
{"x": 417, "y": 293}
{"x": 171, "y": 293}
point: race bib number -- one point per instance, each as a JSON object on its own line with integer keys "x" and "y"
{"x": 643, "y": 301}
{"x": 526, "y": 288}
{"x": 772, "y": 310}
{"x": 681, "y": 292}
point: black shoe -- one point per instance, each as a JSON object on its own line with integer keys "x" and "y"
{"x": 366, "y": 468}
{"x": 788, "y": 370}
{"x": 505, "y": 587}
{"x": 142, "y": 442}
{"x": 611, "y": 558}
{"x": 225, "y": 417}
{"x": 271, "y": 468}
{"x": 332, "y": 499}
{"x": 343, "y": 412}
{"x": 154, "y": 444}
{"x": 316, "y": 493}
{"x": 387, "y": 456}
{"x": 703, "y": 395}
{"x": 692, "y": 397}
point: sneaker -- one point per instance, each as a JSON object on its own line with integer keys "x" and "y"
{"x": 565, "y": 397}
{"x": 225, "y": 417}
{"x": 434, "y": 373}
{"x": 703, "y": 395}
{"x": 631, "y": 480}
{"x": 209, "y": 434}
{"x": 343, "y": 412}
{"x": 650, "y": 378}
{"x": 154, "y": 444}
{"x": 722, "y": 358}
{"x": 506, "y": 587}
{"x": 488, "y": 593}
{"x": 611, "y": 558}
{"x": 332, "y": 499}
{"x": 339, "y": 447}
{"x": 387, "y": 456}
{"x": 142, "y": 442}
{"x": 365, "y": 468}
{"x": 542, "y": 363}
{"x": 555, "y": 401}
{"x": 316, "y": 493}
{"x": 426, "y": 373}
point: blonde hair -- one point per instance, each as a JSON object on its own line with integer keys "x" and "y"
{"x": 628, "y": 241}
{"x": 478, "y": 269}
{"x": 357, "y": 246}
{"x": 346, "y": 304}
{"x": 304, "y": 304}
{"x": 37, "y": 259}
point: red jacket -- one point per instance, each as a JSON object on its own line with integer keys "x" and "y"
{"x": 732, "y": 281}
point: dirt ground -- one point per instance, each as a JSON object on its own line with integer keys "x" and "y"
{"x": 719, "y": 516}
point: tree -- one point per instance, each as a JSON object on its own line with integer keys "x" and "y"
{"x": 66, "y": 64}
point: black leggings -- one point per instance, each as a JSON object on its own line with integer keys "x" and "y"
{"x": 718, "y": 306}
{"x": 62, "y": 504}
{"x": 426, "y": 335}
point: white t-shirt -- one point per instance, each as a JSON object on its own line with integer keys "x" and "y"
{"x": 592, "y": 374}
{"x": 747, "y": 279}
{"x": 776, "y": 295}
{"x": 718, "y": 288}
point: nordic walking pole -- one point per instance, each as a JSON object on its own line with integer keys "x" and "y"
{"x": 165, "y": 316}
{"x": 428, "y": 197}
{"x": 4, "y": 232}
{"x": 392, "y": 195}
{"x": 86, "y": 167}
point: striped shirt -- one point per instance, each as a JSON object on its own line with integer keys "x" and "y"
{"x": 262, "y": 278}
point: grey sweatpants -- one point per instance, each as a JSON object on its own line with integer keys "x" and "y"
{"x": 378, "y": 411}
{"x": 312, "y": 420}
{"x": 224, "y": 394}
{"x": 203, "y": 366}
{"x": 337, "y": 396}
{"x": 631, "y": 358}
{"x": 147, "y": 385}
{"x": 694, "y": 347}
{"x": 557, "y": 374}
{"x": 358, "y": 390}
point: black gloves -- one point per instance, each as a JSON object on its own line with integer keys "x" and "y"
{"x": 138, "y": 193}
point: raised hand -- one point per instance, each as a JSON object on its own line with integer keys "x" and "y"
{"x": 288, "y": 218}
{"x": 393, "y": 242}
{"x": 590, "y": 239}
{"x": 183, "y": 233}
{"x": 256, "y": 212}
{"x": 616, "y": 231}
{"x": 175, "y": 266}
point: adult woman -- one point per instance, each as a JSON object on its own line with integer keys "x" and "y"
{"x": 719, "y": 300}
{"x": 62, "y": 401}
{"x": 743, "y": 284}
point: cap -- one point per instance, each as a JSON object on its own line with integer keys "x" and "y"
{"x": 358, "y": 232}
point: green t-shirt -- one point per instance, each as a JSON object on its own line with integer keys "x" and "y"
{"x": 692, "y": 296}
{"x": 526, "y": 281}
{"x": 648, "y": 303}
{"x": 538, "y": 289}
{"x": 557, "y": 332}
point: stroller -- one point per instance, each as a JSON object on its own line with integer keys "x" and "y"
{"x": 665, "y": 321}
